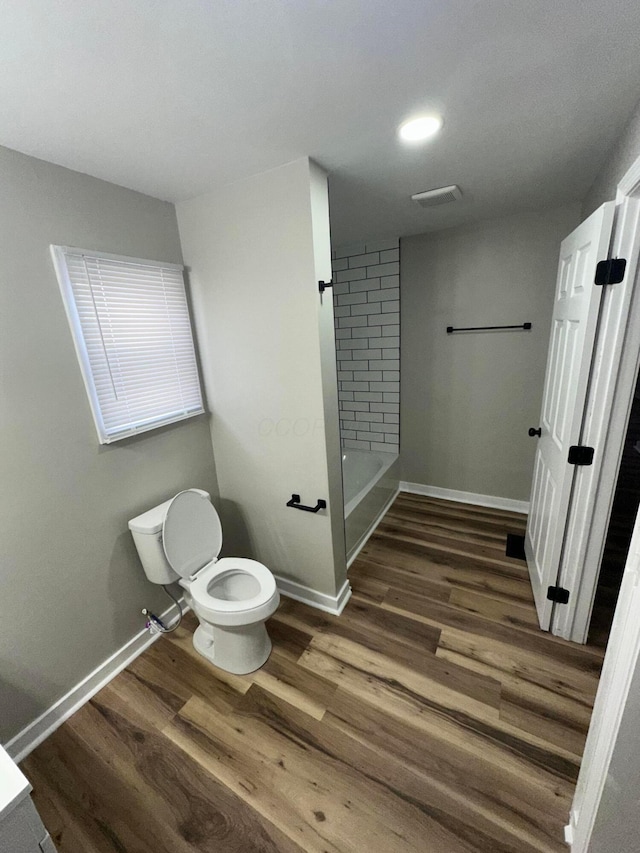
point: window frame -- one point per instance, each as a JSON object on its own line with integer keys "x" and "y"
{"x": 58, "y": 254}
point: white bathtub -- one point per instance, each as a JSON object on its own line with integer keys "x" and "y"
{"x": 370, "y": 480}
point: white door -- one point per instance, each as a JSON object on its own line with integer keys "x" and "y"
{"x": 573, "y": 332}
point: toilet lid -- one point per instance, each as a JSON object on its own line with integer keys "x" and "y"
{"x": 191, "y": 533}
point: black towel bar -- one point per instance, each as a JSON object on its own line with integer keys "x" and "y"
{"x": 295, "y": 504}
{"x": 485, "y": 328}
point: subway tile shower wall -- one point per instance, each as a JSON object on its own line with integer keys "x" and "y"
{"x": 366, "y": 298}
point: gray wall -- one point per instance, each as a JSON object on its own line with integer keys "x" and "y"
{"x": 467, "y": 400}
{"x": 618, "y": 161}
{"x": 366, "y": 297}
{"x": 71, "y": 586}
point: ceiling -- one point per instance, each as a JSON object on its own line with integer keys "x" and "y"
{"x": 177, "y": 97}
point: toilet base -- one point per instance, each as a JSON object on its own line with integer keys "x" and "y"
{"x": 239, "y": 650}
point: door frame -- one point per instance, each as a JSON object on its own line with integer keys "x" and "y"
{"x": 623, "y": 650}
{"x": 615, "y": 364}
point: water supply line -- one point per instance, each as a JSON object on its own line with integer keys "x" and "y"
{"x": 155, "y": 624}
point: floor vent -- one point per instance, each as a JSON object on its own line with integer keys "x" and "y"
{"x": 441, "y": 195}
{"x": 515, "y": 547}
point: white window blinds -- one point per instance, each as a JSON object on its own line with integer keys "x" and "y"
{"x": 132, "y": 331}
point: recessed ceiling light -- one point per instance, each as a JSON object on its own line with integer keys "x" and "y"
{"x": 418, "y": 129}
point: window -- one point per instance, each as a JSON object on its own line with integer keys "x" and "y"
{"x": 132, "y": 332}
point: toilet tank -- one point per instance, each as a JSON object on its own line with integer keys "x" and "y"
{"x": 146, "y": 530}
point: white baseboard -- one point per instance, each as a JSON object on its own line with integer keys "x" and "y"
{"x": 30, "y": 737}
{"x": 466, "y": 497}
{"x": 365, "y": 538}
{"x": 319, "y": 600}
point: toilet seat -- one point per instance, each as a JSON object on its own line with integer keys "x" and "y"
{"x": 232, "y": 611}
{"x": 191, "y": 533}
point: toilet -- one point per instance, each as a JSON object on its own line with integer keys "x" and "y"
{"x": 179, "y": 540}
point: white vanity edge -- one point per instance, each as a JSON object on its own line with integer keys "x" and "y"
{"x": 14, "y": 785}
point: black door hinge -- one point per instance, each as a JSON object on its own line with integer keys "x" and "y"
{"x": 580, "y": 455}
{"x": 611, "y": 271}
{"x": 558, "y": 594}
{"x": 323, "y": 285}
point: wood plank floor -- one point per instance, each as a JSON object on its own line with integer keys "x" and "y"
{"x": 433, "y": 715}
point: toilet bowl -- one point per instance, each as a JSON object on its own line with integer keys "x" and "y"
{"x": 180, "y": 540}
{"x": 232, "y": 598}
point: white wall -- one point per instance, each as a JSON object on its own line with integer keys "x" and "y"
{"x": 366, "y": 296}
{"x": 255, "y": 250}
{"x": 468, "y": 399}
{"x": 620, "y": 158}
{"x": 71, "y": 585}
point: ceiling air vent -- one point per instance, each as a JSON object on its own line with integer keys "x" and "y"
{"x": 441, "y": 195}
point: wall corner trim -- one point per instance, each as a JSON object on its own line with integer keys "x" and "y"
{"x": 334, "y": 604}
{"x": 493, "y": 501}
{"x": 36, "y": 732}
